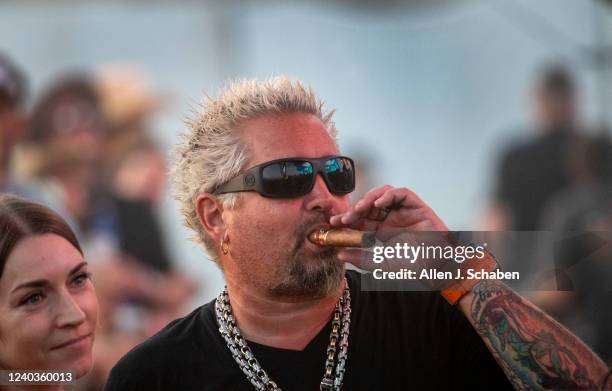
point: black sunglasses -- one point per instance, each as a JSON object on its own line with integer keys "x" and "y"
{"x": 294, "y": 177}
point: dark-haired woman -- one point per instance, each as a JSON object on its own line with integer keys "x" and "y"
{"x": 48, "y": 306}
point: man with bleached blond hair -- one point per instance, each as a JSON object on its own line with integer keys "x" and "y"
{"x": 258, "y": 173}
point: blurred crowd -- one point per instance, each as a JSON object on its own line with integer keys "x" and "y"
{"x": 554, "y": 188}
{"x": 85, "y": 149}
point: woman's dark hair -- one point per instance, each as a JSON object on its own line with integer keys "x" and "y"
{"x": 20, "y": 218}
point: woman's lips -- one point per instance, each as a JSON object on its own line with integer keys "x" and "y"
{"x": 75, "y": 342}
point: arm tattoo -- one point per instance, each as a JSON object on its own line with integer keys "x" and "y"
{"x": 534, "y": 350}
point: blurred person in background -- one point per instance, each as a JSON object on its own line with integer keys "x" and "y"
{"x": 128, "y": 101}
{"x": 125, "y": 224}
{"x": 134, "y": 168}
{"x": 64, "y": 146}
{"x": 580, "y": 219}
{"x": 12, "y": 124}
{"x": 135, "y": 181}
{"x": 48, "y": 306}
{"x": 556, "y": 186}
{"x": 531, "y": 172}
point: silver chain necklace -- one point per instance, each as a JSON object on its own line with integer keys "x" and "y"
{"x": 247, "y": 362}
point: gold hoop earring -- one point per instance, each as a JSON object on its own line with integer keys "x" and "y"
{"x": 224, "y": 247}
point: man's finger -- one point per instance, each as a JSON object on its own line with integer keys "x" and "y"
{"x": 372, "y": 195}
{"x": 359, "y": 257}
{"x": 361, "y": 209}
{"x": 396, "y": 198}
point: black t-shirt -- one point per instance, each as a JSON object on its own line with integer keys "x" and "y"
{"x": 530, "y": 174}
{"x": 133, "y": 224}
{"x": 397, "y": 341}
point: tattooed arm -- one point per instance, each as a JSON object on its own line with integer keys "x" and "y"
{"x": 534, "y": 350}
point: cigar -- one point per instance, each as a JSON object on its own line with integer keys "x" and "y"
{"x": 342, "y": 237}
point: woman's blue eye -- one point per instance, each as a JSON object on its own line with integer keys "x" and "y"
{"x": 81, "y": 278}
{"x": 32, "y": 299}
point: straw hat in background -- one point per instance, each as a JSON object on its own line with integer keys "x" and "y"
{"x": 126, "y": 96}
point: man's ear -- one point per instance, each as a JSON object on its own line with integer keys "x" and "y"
{"x": 209, "y": 211}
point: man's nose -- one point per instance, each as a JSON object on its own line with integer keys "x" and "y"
{"x": 320, "y": 198}
{"x": 69, "y": 313}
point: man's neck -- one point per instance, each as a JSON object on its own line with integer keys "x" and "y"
{"x": 281, "y": 323}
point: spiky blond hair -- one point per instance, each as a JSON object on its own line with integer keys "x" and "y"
{"x": 211, "y": 152}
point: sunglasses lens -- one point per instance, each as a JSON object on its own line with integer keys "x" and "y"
{"x": 287, "y": 179}
{"x": 340, "y": 175}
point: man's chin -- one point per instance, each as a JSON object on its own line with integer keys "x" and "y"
{"x": 311, "y": 275}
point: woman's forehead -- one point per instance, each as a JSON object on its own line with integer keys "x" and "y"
{"x": 46, "y": 256}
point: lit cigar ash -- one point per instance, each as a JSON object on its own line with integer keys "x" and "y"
{"x": 342, "y": 237}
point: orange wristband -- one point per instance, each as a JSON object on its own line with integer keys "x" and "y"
{"x": 459, "y": 288}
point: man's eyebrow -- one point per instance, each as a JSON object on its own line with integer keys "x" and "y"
{"x": 43, "y": 283}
